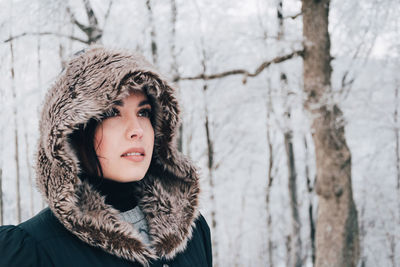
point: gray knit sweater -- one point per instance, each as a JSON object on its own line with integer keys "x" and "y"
{"x": 136, "y": 217}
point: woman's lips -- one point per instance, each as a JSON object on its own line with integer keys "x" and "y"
{"x": 135, "y": 158}
{"x": 135, "y": 154}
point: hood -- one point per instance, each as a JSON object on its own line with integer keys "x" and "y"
{"x": 90, "y": 85}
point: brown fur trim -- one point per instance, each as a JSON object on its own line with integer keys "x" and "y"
{"x": 91, "y": 84}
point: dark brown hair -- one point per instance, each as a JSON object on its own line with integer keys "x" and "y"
{"x": 82, "y": 141}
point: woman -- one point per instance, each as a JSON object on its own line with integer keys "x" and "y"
{"x": 119, "y": 193}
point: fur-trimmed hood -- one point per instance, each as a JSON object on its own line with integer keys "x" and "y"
{"x": 90, "y": 85}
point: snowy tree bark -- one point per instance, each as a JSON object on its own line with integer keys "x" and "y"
{"x": 174, "y": 56}
{"x": 16, "y": 143}
{"x": 295, "y": 257}
{"x": 397, "y": 153}
{"x": 154, "y": 52}
{"x": 310, "y": 201}
{"x": 363, "y": 257}
{"x": 174, "y": 64}
{"x": 270, "y": 180}
{"x": 210, "y": 166}
{"x": 210, "y": 162}
{"x": 39, "y": 68}
{"x": 397, "y": 136}
{"x": 337, "y": 241}
{"x": 391, "y": 238}
{"x": 28, "y": 164}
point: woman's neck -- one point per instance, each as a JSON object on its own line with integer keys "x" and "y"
{"x": 122, "y": 196}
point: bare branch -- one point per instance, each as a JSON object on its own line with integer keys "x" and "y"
{"x": 246, "y": 73}
{"x": 93, "y": 31}
{"x": 91, "y": 16}
{"x": 75, "y": 21}
{"x": 293, "y": 16}
{"x": 107, "y": 13}
{"x": 346, "y": 84}
{"x": 45, "y": 33}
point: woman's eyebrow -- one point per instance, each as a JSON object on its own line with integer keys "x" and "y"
{"x": 144, "y": 102}
{"x": 119, "y": 103}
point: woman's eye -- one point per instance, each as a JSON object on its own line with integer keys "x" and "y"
{"x": 110, "y": 113}
{"x": 145, "y": 113}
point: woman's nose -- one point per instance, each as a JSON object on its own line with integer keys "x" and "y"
{"x": 134, "y": 130}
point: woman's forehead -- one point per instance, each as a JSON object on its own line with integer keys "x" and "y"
{"x": 136, "y": 97}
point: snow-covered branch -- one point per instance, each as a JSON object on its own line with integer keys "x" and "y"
{"x": 245, "y": 73}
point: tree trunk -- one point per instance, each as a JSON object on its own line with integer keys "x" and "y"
{"x": 39, "y": 68}
{"x": 310, "y": 202}
{"x": 397, "y": 153}
{"x": 397, "y": 137}
{"x": 210, "y": 165}
{"x": 270, "y": 180}
{"x": 28, "y": 164}
{"x": 391, "y": 238}
{"x": 295, "y": 257}
{"x": 16, "y": 144}
{"x": 154, "y": 52}
{"x": 363, "y": 257}
{"x": 174, "y": 64}
{"x": 337, "y": 241}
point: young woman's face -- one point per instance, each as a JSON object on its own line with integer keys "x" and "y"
{"x": 124, "y": 140}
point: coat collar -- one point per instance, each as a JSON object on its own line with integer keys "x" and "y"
{"x": 91, "y": 84}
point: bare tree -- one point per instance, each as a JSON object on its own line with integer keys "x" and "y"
{"x": 392, "y": 238}
{"x": 93, "y": 30}
{"x": 392, "y": 248}
{"x": 210, "y": 166}
{"x": 397, "y": 136}
{"x": 238, "y": 244}
{"x": 16, "y": 144}
{"x": 337, "y": 241}
{"x": 154, "y": 52}
{"x": 210, "y": 145}
{"x": 39, "y": 83}
{"x": 310, "y": 191}
{"x": 174, "y": 56}
{"x": 295, "y": 255}
{"x": 363, "y": 232}
{"x": 61, "y": 54}
{"x": 174, "y": 63}
{"x": 270, "y": 177}
{"x": 28, "y": 164}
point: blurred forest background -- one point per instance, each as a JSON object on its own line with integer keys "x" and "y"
{"x": 293, "y": 119}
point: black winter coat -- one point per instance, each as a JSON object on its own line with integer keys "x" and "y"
{"x": 43, "y": 241}
{"x": 80, "y": 228}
